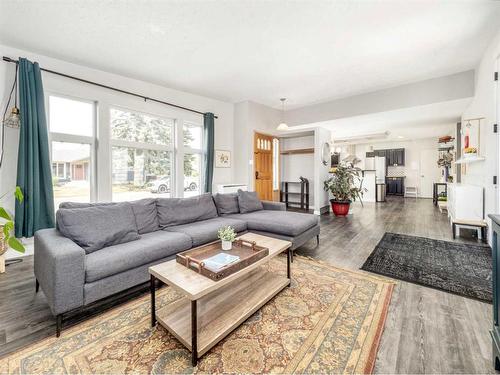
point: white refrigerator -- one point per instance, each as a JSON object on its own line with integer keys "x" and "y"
{"x": 380, "y": 169}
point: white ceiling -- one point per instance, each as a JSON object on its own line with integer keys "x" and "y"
{"x": 307, "y": 51}
{"x": 432, "y": 120}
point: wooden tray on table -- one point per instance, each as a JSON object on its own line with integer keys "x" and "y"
{"x": 247, "y": 251}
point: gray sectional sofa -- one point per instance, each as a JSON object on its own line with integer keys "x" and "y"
{"x": 100, "y": 249}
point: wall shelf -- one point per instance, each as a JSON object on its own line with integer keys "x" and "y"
{"x": 298, "y": 151}
{"x": 470, "y": 159}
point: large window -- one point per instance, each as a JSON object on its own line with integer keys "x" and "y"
{"x": 72, "y": 134}
{"x": 141, "y": 155}
{"x": 193, "y": 157}
{"x": 138, "y": 155}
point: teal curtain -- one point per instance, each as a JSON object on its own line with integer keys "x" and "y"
{"x": 208, "y": 127}
{"x": 33, "y": 163}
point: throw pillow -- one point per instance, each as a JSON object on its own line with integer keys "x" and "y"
{"x": 227, "y": 203}
{"x": 96, "y": 227}
{"x": 248, "y": 201}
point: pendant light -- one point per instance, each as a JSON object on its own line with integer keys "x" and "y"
{"x": 282, "y": 126}
{"x": 14, "y": 120}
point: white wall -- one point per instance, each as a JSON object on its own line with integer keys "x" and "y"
{"x": 413, "y": 149}
{"x": 485, "y": 104}
{"x": 321, "y": 171}
{"x": 250, "y": 117}
{"x": 60, "y": 85}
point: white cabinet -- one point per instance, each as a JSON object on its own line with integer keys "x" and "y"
{"x": 465, "y": 202}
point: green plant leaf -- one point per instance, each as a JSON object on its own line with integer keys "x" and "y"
{"x": 19, "y": 194}
{"x": 15, "y": 244}
{"x": 4, "y": 214}
{"x": 7, "y": 227}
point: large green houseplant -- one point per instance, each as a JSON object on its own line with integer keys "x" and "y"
{"x": 7, "y": 228}
{"x": 345, "y": 186}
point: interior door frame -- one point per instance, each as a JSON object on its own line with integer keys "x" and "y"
{"x": 275, "y": 193}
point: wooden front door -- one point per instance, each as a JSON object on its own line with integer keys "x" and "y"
{"x": 263, "y": 166}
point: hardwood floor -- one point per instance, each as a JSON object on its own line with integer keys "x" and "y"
{"x": 427, "y": 331}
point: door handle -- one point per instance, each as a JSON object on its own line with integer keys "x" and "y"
{"x": 256, "y": 175}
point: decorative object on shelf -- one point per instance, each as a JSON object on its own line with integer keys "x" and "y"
{"x": 282, "y": 126}
{"x": 6, "y": 227}
{"x": 326, "y": 154}
{"x": 227, "y": 235}
{"x": 222, "y": 159}
{"x": 343, "y": 186}
{"x": 471, "y": 141}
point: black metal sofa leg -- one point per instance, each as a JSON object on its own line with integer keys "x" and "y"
{"x": 317, "y": 240}
{"x": 37, "y": 286}
{"x": 58, "y": 325}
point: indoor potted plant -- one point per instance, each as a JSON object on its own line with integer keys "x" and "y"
{"x": 345, "y": 185}
{"x": 227, "y": 235}
{"x": 6, "y": 228}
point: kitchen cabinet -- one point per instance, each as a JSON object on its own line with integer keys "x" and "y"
{"x": 395, "y": 156}
{"x": 395, "y": 186}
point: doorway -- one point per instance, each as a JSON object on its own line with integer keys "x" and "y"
{"x": 263, "y": 166}
{"x": 429, "y": 172}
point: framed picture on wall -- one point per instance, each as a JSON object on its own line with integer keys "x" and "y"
{"x": 222, "y": 159}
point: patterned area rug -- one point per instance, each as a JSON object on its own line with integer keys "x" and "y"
{"x": 463, "y": 269}
{"x": 329, "y": 321}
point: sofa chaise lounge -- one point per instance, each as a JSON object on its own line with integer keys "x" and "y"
{"x": 100, "y": 249}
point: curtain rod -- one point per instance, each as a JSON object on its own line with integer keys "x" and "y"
{"x": 146, "y": 98}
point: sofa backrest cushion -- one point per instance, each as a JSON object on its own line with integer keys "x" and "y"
{"x": 227, "y": 203}
{"x": 176, "y": 211}
{"x": 98, "y": 226}
{"x": 249, "y": 202}
{"x": 146, "y": 215}
{"x": 84, "y": 204}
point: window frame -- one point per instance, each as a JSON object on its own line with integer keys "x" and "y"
{"x": 79, "y": 139}
{"x": 143, "y": 145}
{"x": 191, "y": 150}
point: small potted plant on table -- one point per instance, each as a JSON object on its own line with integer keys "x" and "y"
{"x": 345, "y": 187}
{"x": 227, "y": 235}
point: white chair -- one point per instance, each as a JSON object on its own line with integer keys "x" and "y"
{"x": 411, "y": 192}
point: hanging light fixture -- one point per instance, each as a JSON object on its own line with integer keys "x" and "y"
{"x": 282, "y": 126}
{"x": 14, "y": 120}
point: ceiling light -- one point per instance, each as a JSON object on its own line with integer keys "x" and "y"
{"x": 282, "y": 126}
{"x": 400, "y": 136}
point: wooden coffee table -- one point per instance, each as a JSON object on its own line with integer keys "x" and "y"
{"x": 210, "y": 310}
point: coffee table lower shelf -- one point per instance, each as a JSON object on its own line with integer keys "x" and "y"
{"x": 214, "y": 316}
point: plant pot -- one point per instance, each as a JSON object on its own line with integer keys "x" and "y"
{"x": 227, "y": 245}
{"x": 340, "y": 208}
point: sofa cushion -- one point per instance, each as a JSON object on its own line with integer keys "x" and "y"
{"x": 202, "y": 232}
{"x": 146, "y": 215}
{"x": 98, "y": 226}
{"x": 84, "y": 204}
{"x": 280, "y": 222}
{"x": 119, "y": 258}
{"x": 248, "y": 201}
{"x": 227, "y": 203}
{"x": 177, "y": 211}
